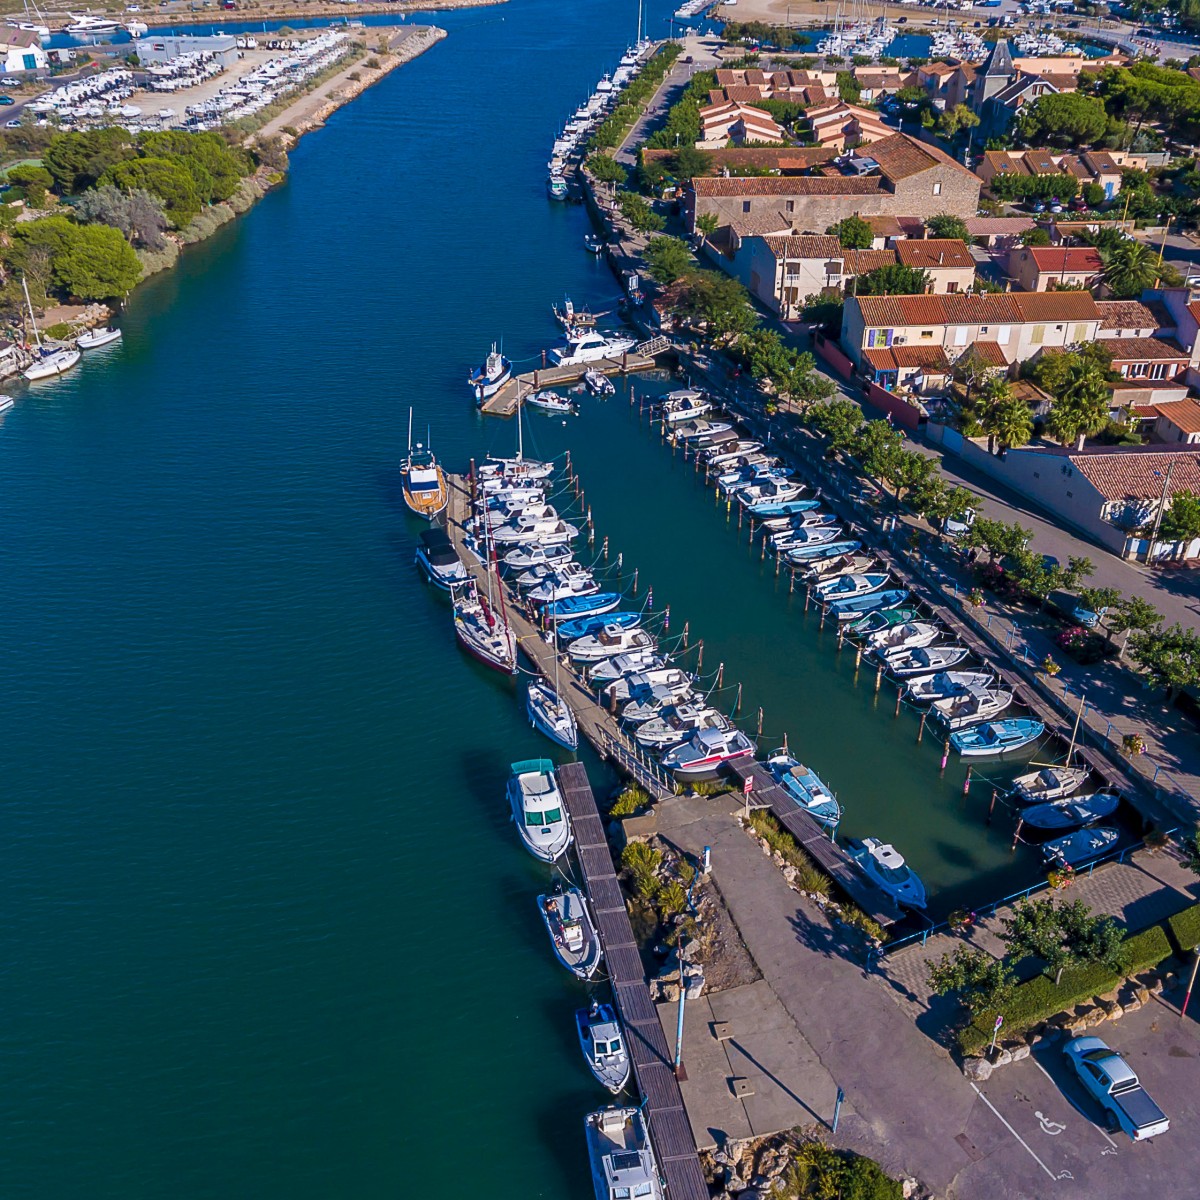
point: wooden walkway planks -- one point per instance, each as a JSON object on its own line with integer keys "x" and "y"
{"x": 670, "y": 1131}
{"x": 504, "y": 402}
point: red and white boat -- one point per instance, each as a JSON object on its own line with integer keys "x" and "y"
{"x": 706, "y": 752}
{"x": 482, "y": 633}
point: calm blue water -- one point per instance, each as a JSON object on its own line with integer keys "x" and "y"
{"x": 267, "y": 929}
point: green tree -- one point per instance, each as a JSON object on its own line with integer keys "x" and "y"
{"x": 1170, "y": 657}
{"x": 606, "y": 169}
{"x": 668, "y": 259}
{"x": 721, "y": 303}
{"x": 947, "y": 225}
{"x": 1007, "y": 421}
{"x": 215, "y": 167}
{"x": 1062, "y": 119}
{"x": 956, "y": 120}
{"x": 973, "y": 977}
{"x": 840, "y": 421}
{"x": 1060, "y": 935}
{"x": 1035, "y": 237}
{"x": 688, "y": 162}
{"x": 1130, "y": 268}
{"x": 1181, "y": 522}
{"x": 893, "y": 280}
{"x": 638, "y": 212}
{"x": 910, "y": 472}
{"x": 878, "y": 448}
{"x": 1103, "y": 601}
{"x": 799, "y": 383}
{"x": 167, "y": 180}
{"x": 848, "y": 88}
{"x": 78, "y": 161}
{"x": 34, "y": 181}
{"x": 1082, "y": 408}
{"x": 1133, "y": 615}
{"x": 1093, "y": 195}
{"x": 97, "y": 264}
{"x": 973, "y": 368}
{"x": 853, "y": 233}
{"x": 997, "y": 538}
{"x": 939, "y": 503}
{"x": 137, "y": 214}
{"x": 708, "y": 223}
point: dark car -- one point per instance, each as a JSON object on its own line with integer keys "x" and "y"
{"x": 6, "y": 100}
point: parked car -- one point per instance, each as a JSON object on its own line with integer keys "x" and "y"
{"x": 7, "y": 100}
{"x": 956, "y": 527}
{"x": 1087, "y": 618}
{"x": 1039, "y": 206}
{"x": 1112, "y": 1081}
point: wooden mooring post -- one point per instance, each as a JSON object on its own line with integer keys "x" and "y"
{"x": 921, "y": 727}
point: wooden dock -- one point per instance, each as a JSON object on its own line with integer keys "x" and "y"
{"x": 505, "y": 402}
{"x": 653, "y": 1062}
{"x": 599, "y": 726}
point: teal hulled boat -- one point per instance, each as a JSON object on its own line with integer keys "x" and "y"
{"x": 997, "y": 737}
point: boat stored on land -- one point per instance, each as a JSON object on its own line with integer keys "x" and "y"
{"x": 569, "y": 924}
{"x": 885, "y": 865}
{"x": 538, "y": 810}
{"x": 621, "y": 1156}
{"x": 1071, "y": 812}
{"x": 603, "y": 1046}
{"x": 997, "y": 737}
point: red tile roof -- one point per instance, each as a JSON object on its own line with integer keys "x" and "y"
{"x": 1000, "y": 308}
{"x": 821, "y": 245}
{"x": 1131, "y": 473}
{"x": 891, "y": 358}
{"x": 992, "y": 353}
{"x": 1144, "y": 350}
{"x": 934, "y": 252}
{"x": 791, "y": 185}
{"x": 1183, "y": 414}
{"x": 1077, "y": 259}
{"x": 1125, "y": 314}
{"x": 859, "y": 262}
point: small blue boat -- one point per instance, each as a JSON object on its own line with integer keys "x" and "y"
{"x": 568, "y": 631}
{"x": 785, "y": 508}
{"x": 581, "y": 606}
{"x": 855, "y": 606}
{"x": 996, "y": 737}
{"x": 805, "y": 787}
{"x": 804, "y": 554}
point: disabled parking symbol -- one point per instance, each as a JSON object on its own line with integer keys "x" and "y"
{"x": 1053, "y": 1128}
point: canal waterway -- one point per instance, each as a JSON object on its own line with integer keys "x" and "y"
{"x": 267, "y": 928}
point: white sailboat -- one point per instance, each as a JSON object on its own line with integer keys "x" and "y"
{"x": 48, "y": 363}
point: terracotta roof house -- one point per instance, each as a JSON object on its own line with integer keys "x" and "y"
{"x": 733, "y": 121}
{"x": 1126, "y": 319}
{"x": 999, "y": 233}
{"x": 1046, "y": 268}
{"x": 846, "y": 125}
{"x": 1147, "y": 358}
{"x": 948, "y": 262}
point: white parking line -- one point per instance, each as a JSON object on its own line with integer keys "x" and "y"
{"x": 1000, "y": 1118}
{"x": 1092, "y": 1123}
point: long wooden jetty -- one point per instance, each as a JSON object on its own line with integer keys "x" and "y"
{"x": 505, "y": 402}
{"x": 653, "y": 1063}
{"x": 599, "y": 726}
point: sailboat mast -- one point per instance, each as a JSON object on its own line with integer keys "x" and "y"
{"x": 32, "y": 321}
{"x": 410, "y": 432}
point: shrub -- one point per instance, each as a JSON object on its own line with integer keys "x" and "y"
{"x": 1184, "y": 928}
{"x": 821, "y": 1171}
{"x": 671, "y": 898}
{"x": 1085, "y": 646}
{"x": 642, "y": 862}
{"x": 1145, "y": 950}
{"x": 631, "y": 800}
{"x": 58, "y": 332}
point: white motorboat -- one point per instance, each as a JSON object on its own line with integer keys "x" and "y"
{"x": 85, "y": 25}
{"x": 813, "y": 519}
{"x": 843, "y": 586}
{"x": 137, "y": 29}
{"x": 716, "y": 456}
{"x": 598, "y": 384}
{"x": 546, "y": 529}
{"x": 603, "y": 1046}
{"x": 676, "y": 724}
{"x": 526, "y": 557}
{"x": 539, "y": 574}
{"x": 649, "y": 701}
{"x": 944, "y": 684}
{"x": 610, "y": 642}
{"x": 813, "y": 535}
{"x": 704, "y": 432}
{"x": 913, "y": 662}
{"x": 95, "y": 338}
{"x": 439, "y": 560}
{"x": 424, "y": 482}
{"x": 51, "y": 363}
{"x": 910, "y": 635}
{"x": 6, "y": 402}
{"x": 706, "y": 751}
{"x": 685, "y": 404}
{"x": 637, "y": 662}
{"x": 551, "y": 402}
{"x": 621, "y": 1156}
{"x": 538, "y": 809}
{"x": 750, "y": 476}
{"x": 572, "y": 934}
{"x": 972, "y": 705}
{"x": 806, "y": 787}
{"x": 885, "y": 865}
{"x": 561, "y": 585}
{"x": 1048, "y": 784}
{"x": 593, "y": 243}
{"x": 550, "y": 714}
{"x": 591, "y": 346}
{"x": 645, "y": 685}
{"x": 487, "y": 380}
{"x": 774, "y": 491}
{"x": 1080, "y": 847}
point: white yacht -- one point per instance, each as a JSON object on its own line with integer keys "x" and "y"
{"x": 623, "y": 1166}
{"x": 590, "y": 346}
{"x": 885, "y": 866}
{"x": 84, "y": 24}
{"x": 537, "y": 808}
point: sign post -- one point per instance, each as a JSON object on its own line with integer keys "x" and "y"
{"x": 747, "y": 788}
{"x": 837, "y": 1109}
{"x": 995, "y": 1030}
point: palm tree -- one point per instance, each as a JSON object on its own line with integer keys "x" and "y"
{"x": 1008, "y": 422}
{"x": 1082, "y": 404}
{"x": 1130, "y": 268}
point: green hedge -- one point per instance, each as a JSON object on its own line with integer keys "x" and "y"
{"x": 1185, "y": 929}
{"x": 1039, "y": 998}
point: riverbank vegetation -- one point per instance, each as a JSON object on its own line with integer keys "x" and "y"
{"x": 611, "y": 132}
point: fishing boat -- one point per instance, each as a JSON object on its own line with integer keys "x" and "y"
{"x": 835, "y": 565}
{"x": 538, "y": 810}
{"x": 781, "y": 508}
{"x": 590, "y": 346}
{"x": 976, "y": 703}
{"x": 1050, "y": 783}
{"x": 1071, "y": 812}
{"x": 944, "y": 684}
{"x": 95, "y": 338}
{"x": 637, "y": 662}
{"x": 542, "y": 525}
{"x": 569, "y": 631}
{"x": 525, "y": 557}
{"x": 603, "y": 1046}
{"x": 997, "y": 737}
{"x": 551, "y": 402}
{"x": 569, "y": 924}
{"x": 909, "y": 635}
{"x": 676, "y": 724}
{"x": 598, "y": 384}
{"x": 913, "y": 662}
{"x": 806, "y": 553}
{"x": 572, "y": 318}
{"x": 649, "y": 686}
{"x": 804, "y": 786}
{"x": 621, "y": 1157}
{"x": 854, "y": 606}
{"x": 793, "y": 538}
{"x": 683, "y": 405}
{"x": 538, "y": 575}
{"x": 609, "y": 642}
{"x": 884, "y": 865}
{"x": 876, "y": 621}
{"x": 593, "y": 243}
{"x": 770, "y": 489}
{"x": 706, "y": 751}
{"x": 556, "y": 185}
{"x": 549, "y": 714}
{"x": 581, "y": 606}
{"x": 425, "y": 489}
{"x": 1080, "y": 847}
{"x": 48, "y": 363}
{"x": 482, "y": 633}
{"x": 439, "y": 560}
{"x": 810, "y": 518}
{"x": 728, "y": 451}
{"x": 844, "y": 587}
{"x": 487, "y": 380}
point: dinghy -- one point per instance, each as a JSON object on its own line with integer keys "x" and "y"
{"x": 913, "y": 662}
{"x": 884, "y": 865}
{"x": 684, "y": 405}
{"x": 603, "y": 1046}
{"x": 525, "y": 557}
{"x": 593, "y": 243}
{"x": 481, "y": 633}
{"x": 569, "y": 631}
{"x": 844, "y": 587}
{"x": 973, "y": 704}
{"x": 610, "y": 642}
{"x": 1071, "y": 812}
{"x": 805, "y": 554}
{"x": 1050, "y": 783}
{"x": 945, "y": 684}
{"x": 95, "y": 338}
{"x": 855, "y": 606}
{"x": 639, "y": 662}
{"x": 549, "y": 714}
{"x": 581, "y": 606}
{"x": 907, "y": 636}
{"x": 572, "y": 934}
{"x": 706, "y": 751}
{"x": 997, "y": 737}
{"x": 439, "y": 560}
{"x": 805, "y": 787}
{"x": 1080, "y": 847}
{"x": 550, "y": 402}
{"x": 538, "y": 810}
{"x": 639, "y": 686}
{"x": 621, "y": 1157}
{"x": 676, "y": 724}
